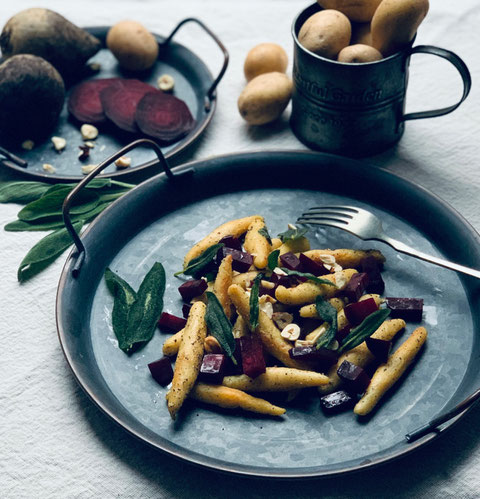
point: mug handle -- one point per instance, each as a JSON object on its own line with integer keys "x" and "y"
{"x": 461, "y": 68}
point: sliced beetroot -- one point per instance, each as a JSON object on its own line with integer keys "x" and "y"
{"x": 163, "y": 116}
{"x": 171, "y": 322}
{"x": 371, "y": 266}
{"x": 379, "y": 348}
{"x": 311, "y": 266}
{"x": 161, "y": 371}
{"x": 212, "y": 369}
{"x": 355, "y": 378}
{"x": 191, "y": 289}
{"x": 356, "y": 286}
{"x": 291, "y": 261}
{"x": 253, "y": 361}
{"x": 336, "y": 402}
{"x": 241, "y": 260}
{"x": 84, "y": 102}
{"x": 359, "y": 310}
{"x": 408, "y": 309}
{"x": 120, "y": 101}
{"x": 281, "y": 280}
{"x": 231, "y": 242}
{"x": 322, "y": 357}
{"x": 186, "y": 309}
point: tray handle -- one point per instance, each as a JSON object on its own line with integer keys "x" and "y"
{"x": 211, "y": 94}
{"x": 73, "y": 193}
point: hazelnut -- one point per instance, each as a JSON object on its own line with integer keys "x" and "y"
{"x": 123, "y": 162}
{"x": 59, "y": 143}
{"x": 282, "y": 319}
{"x": 86, "y": 169}
{"x": 47, "y": 167}
{"x": 89, "y": 132}
{"x": 90, "y": 144}
{"x": 291, "y": 332}
{"x": 166, "y": 82}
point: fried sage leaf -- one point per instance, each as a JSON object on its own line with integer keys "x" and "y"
{"x": 199, "y": 264}
{"x": 264, "y": 232}
{"x": 310, "y": 277}
{"x": 22, "y": 192}
{"x": 254, "y": 306}
{"x": 293, "y": 234}
{"x": 272, "y": 261}
{"x": 45, "y": 252}
{"x": 328, "y": 314}
{"x": 219, "y": 326}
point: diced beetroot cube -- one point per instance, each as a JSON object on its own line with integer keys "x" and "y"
{"x": 355, "y": 378}
{"x": 291, "y": 261}
{"x": 356, "y": 286}
{"x": 241, "y": 260}
{"x": 343, "y": 333}
{"x": 357, "y": 311}
{"x": 336, "y": 402}
{"x": 379, "y": 348}
{"x": 186, "y": 309}
{"x": 323, "y": 357}
{"x": 253, "y": 361}
{"x": 371, "y": 266}
{"x": 408, "y": 309}
{"x": 262, "y": 290}
{"x": 231, "y": 368}
{"x": 212, "y": 369}
{"x": 311, "y": 266}
{"x": 193, "y": 288}
{"x": 161, "y": 371}
{"x": 281, "y": 280}
{"x": 171, "y": 322}
{"x": 231, "y": 242}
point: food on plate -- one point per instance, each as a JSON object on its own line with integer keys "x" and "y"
{"x": 265, "y": 58}
{"x": 326, "y": 33}
{"x": 361, "y": 34}
{"x": 359, "y": 53}
{"x": 31, "y": 98}
{"x": 89, "y": 132}
{"x": 134, "y": 47}
{"x": 395, "y": 23}
{"x": 257, "y": 242}
{"x": 356, "y": 10}
{"x": 265, "y": 98}
{"x": 47, "y": 34}
{"x": 165, "y": 82}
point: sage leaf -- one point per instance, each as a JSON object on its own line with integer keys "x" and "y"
{"x": 293, "y": 234}
{"x": 310, "y": 277}
{"x": 22, "y": 192}
{"x": 197, "y": 265}
{"x": 219, "y": 326}
{"x": 368, "y": 326}
{"x": 254, "y": 307}
{"x": 45, "y": 252}
{"x": 145, "y": 311}
{"x": 264, "y": 232}
{"x": 123, "y": 298}
{"x": 328, "y": 314}
{"x": 272, "y": 261}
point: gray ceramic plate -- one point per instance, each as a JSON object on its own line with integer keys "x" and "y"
{"x": 194, "y": 84}
{"x": 160, "y": 219}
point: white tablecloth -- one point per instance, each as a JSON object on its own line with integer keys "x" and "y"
{"x": 55, "y": 443}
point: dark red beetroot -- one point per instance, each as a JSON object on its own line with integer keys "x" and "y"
{"x": 241, "y": 260}
{"x": 356, "y": 286}
{"x": 193, "y": 288}
{"x": 161, "y": 371}
{"x": 212, "y": 369}
{"x": 336, "y": 402}
{"x": 343, "y": 333}
{"x": 186, "y": 309}
{"x": 408, "y": 309}
{"x": 163, "y": 116}
{"x": 231, "y": 242}
{"x": 375, "y": 281}
{"x": 323, "y": 357}
{"x": 84, "y": 101}
{"x": 281, "y": 280}
{"x": 379, "y": 348}
{"x": 232, "y": 368}
{"x": 355, "y": 378}
{"x": 171, "y": 322}
{"x": 120, "y": 101}
{"x": 253, "y": 361}
{"x": 356, "y": 312}
{"x": 311, "y": 266}
{"x": 291, "y": 261}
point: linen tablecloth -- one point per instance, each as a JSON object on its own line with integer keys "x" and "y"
{"x": 55, "y": 443}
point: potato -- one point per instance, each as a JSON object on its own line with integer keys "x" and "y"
{"x": 134, "y": 47}
{"x": 359, "y": 53}
{"x": 356, "y": 10}
{"x": 326, "y": 33}
{"x": 395, "y": 23}
{"x": 265, "y": 58}
{"x": 361, "y": 34}
{"x": 265, "y": 98}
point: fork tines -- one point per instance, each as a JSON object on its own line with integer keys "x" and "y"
{"x": 325, "y": 215}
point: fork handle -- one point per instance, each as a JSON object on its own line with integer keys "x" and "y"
{"x": 403, "y": 248}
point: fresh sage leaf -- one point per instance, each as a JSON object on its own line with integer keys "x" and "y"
{"x": 22, "y": 192}
{"x": 254, "y": 306}
{"x": 292, "y": 234}
{"x": 264, "y": 232}
{"x": 368, "y": 326}
{"x": 310, "y": 277}
{"x": 197, "y": 265}
{"x": 45, "y": 252}
{"x": 219, "y": 326}
{"x": 123, "y": 298}
{"x": 145, "y": 310}
{"x": 272, "y": 261}
{"x": 328, "y": 314}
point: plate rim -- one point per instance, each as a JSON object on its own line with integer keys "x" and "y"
{"x": 214, "y": 464}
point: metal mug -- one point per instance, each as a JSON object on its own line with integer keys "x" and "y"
{"x": 356, "y": 109}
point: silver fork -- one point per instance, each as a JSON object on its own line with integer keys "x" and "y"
{"x": 368, "y": 227}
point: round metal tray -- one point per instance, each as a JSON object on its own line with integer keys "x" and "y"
{"x": 160, "y": 220}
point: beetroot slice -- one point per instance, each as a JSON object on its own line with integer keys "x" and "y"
{"x": 120, "y": 100}
{"x": 163, "y": 117}
{"x": 84, "y": 101}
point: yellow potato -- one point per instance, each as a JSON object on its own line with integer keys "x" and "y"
{"x": 265, "y": 58}
{"x": 265, "y": 98}
{"x": 133, "y": 45}
{"x": 257, "y": 244}
{"x": 357, "y": 54}
{"x": 222, "y": 282}
{"x": 361, "y": 34}
{"x": 326, "y": 33}
{"x": 395, "y": 23}
{"x": 355, "y": 10}
{"x": 276, "y": 243}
